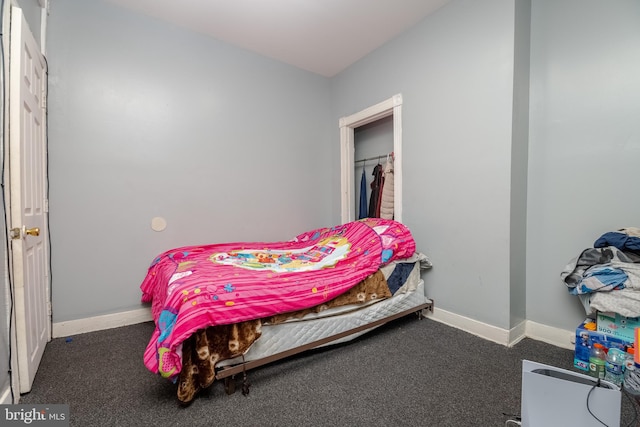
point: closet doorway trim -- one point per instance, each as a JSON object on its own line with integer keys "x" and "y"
{"x": 386, "y": 108}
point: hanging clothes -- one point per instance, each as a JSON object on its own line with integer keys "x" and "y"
{"x": 380, "y": 189}
{"x": 376, "y": 186}
{"x": 386, "y": 203}
{"x": 362, "y": 212}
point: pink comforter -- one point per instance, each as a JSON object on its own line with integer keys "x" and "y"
{"x": 194, "y": 287}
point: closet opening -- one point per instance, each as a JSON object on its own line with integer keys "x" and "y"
{"x": 364, "y": 143}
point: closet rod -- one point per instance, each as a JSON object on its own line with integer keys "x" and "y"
{"x": 374, "y": 158}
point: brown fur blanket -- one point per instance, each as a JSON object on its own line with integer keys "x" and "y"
{"x": 372, "y": 288}
{"x": 205, "y": 348}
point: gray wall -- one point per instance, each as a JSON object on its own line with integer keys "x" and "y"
{"x": 149, "y": 120}
{"x": 455, "y": 73}
{"x": 33, "y": 15}
{"x": 584, "y": 140}
{"x": 486, "y": 128}
{"x": 519, "y": 162}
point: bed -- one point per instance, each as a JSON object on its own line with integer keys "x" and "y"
{"x": 223, "y": 309}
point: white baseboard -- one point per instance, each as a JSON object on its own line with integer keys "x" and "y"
{"x": 98, "y": 323}
{"x": 483, "y": 330}
{"x": 517, "y": 333}
{"x": 556, "y": 336}
{"x": 526, "y": 329}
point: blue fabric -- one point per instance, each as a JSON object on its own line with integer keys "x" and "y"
{"x": 399, "y": 276}
{"x": 622, "y": 241}
{"x": 363, "y": 196}
{"x": 601, "y": 278}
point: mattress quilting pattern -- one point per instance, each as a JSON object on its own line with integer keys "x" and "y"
{"x": 288, "y": 335}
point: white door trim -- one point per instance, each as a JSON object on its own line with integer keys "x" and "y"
{"x": 386, "y": 108}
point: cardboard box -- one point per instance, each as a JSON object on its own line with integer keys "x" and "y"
{"x": 616, "y": 325}
{"x": 585, "y": 339}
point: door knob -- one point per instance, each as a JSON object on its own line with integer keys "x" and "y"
{"x": 35, "y": 231}
{"x": 15, "y": 232}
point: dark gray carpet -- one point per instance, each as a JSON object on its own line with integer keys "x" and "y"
{"x": 408, "y": 373}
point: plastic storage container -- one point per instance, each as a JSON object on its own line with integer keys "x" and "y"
{"x": 614, "y": 366}
{"x": 597, "y": 361}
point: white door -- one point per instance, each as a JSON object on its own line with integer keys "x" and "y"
{"x": 28, "y": 198}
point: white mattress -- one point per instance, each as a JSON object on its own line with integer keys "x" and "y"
{"x": 288, "y": 335}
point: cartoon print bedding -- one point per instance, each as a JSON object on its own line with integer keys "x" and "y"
{"x": 195, "y": 287}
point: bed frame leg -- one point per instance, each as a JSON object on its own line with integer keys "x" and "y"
{"x": 230, "y": 385}
{"x": 422, "y": 313}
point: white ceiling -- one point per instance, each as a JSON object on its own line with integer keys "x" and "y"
{"x": 322, "y": 36}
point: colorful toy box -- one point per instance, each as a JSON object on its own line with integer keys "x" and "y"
{"x": 587, "y": 335}
{"x": 616, "y": 325}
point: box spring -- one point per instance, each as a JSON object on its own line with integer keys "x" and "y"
{"x": 289, "y": 338}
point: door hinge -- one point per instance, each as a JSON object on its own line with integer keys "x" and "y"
{"x": 49, "y": 311}
{"x": 46, "y": 205}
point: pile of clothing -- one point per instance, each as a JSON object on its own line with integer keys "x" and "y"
{"x": 607, "y": 276}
